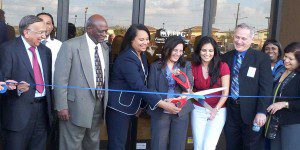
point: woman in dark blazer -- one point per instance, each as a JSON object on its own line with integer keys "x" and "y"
{"x": 288, "y": 109}
{"x": 169, "y": 128}
{"x": 130, "y": 72}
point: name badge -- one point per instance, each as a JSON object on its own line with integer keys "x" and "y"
{"x": 251, "y": 72}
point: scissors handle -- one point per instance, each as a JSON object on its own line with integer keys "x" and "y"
{"x": 185, "y": 84}
{"x": 179, "y": 102}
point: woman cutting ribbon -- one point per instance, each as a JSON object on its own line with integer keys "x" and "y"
{"x": 168, "y": 131}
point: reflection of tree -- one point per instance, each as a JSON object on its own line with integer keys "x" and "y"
{"x": 119, "y": 30}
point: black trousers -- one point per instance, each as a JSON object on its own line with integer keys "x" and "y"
{"x": 117, "y": 129}
{"x": 239, "y": 135}
{"x": 34, "y": 135}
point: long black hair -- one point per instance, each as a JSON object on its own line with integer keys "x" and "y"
{"x": 214, "y": 64}
{"x": 130, "y": 34}
{"x": 170, "y": 43}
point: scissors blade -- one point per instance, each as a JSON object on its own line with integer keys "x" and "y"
{"x": 209, "y": 91}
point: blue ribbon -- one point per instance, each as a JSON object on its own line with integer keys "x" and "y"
{"x": 197, "y": 97}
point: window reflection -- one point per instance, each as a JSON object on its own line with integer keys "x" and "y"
{"x": 255, "y": 13}
{"x": 16, "y": 9}
{"x": 165, "y": 18}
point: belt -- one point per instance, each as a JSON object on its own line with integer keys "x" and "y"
{"x": 39, "y": 99}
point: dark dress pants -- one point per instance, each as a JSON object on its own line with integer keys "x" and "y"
{"x": 117, "y": 128}
{"x": 34, "y": 135}
{"x": 239, "y": 135}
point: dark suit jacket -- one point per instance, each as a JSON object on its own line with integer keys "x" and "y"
{"x": 3, "y": 32}
{"x": 15, "y": 64}
{"x": 291, "y": 89}
{"x": 128, "y": 75}
{"x": 260, "y": 85}
{"x": 157, "y": 81}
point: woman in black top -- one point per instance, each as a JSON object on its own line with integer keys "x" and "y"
{"x": 287, "y": 109}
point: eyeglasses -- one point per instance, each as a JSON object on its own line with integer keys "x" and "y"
{"x": 38, "y": 32}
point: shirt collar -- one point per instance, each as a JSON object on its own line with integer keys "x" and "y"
{"x": 27, "y": 46}
{"x": 242, "y": 53}
{"x": 90, "y": 42}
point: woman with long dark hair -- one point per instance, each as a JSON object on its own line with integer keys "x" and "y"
{"x": 130, "y": 73}
{"x": 209, "y": 72}
{"x": 168, "y": 131}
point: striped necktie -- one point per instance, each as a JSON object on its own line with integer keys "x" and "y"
{"x": 99, "y": 77}
{"x": 235, "y": 79}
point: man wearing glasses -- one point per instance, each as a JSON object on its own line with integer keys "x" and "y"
{"x": 27, "y": 115}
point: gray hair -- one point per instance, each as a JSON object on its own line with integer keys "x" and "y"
{"x": 26, "y": 21}
{"x": 246, "y": 26}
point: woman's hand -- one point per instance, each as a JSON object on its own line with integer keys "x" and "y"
{"x": 168, "y": 106}
{"x": 275, "y": 107}
{"x": 213, "y": 113}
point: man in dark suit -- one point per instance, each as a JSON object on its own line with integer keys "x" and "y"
{"x": 27, "y": 116}
{"x": 250, "y": 76}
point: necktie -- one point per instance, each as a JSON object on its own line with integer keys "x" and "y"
{"x": 235, "y": 79}
{"x": 38, "y": 79}
{"x": 99, "y": 77}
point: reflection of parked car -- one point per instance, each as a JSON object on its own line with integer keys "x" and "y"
{"x": 255, "y": 46}
{"x": 222, "y": 49}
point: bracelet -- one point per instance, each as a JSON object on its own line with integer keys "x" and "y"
{"x": 287, "y": 105}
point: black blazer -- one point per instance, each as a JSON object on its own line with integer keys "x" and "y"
{"x": 128, "y": 74}
{"x": 291, "y": 115}
{"x": 260, "y": 85}
{"x": 157, "y": 81}
{"x": 15, "y": 65}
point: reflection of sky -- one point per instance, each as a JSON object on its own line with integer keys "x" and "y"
{"x": 175, "y": 14}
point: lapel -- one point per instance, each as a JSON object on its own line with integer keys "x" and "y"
{"x": 22, "y": 54}
{"x": 230, "y": 59}
{"x": 163, "y": 75}
{"x": 86, "y": 63}
{"x": 247, "y": 60}
{"x": 44, "y": 61}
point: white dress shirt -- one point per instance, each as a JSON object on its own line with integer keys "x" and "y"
{"x": 27, "y": 46}
{"x": 92, "y": 46}
{"x": 54, "y": 46}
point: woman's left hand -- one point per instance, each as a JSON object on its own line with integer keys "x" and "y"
{"x": 213, "y": 114}
{"x": 275, "y": 107}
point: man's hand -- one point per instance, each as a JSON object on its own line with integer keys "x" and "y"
{"x": 64, "y": 114}
{"x": 11, "y": 84}
{"x": 260, "y": 119}
{"x": 23, "y": 86}
{"x": 168, "y": 106}
{"x": 275, "y": 107}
